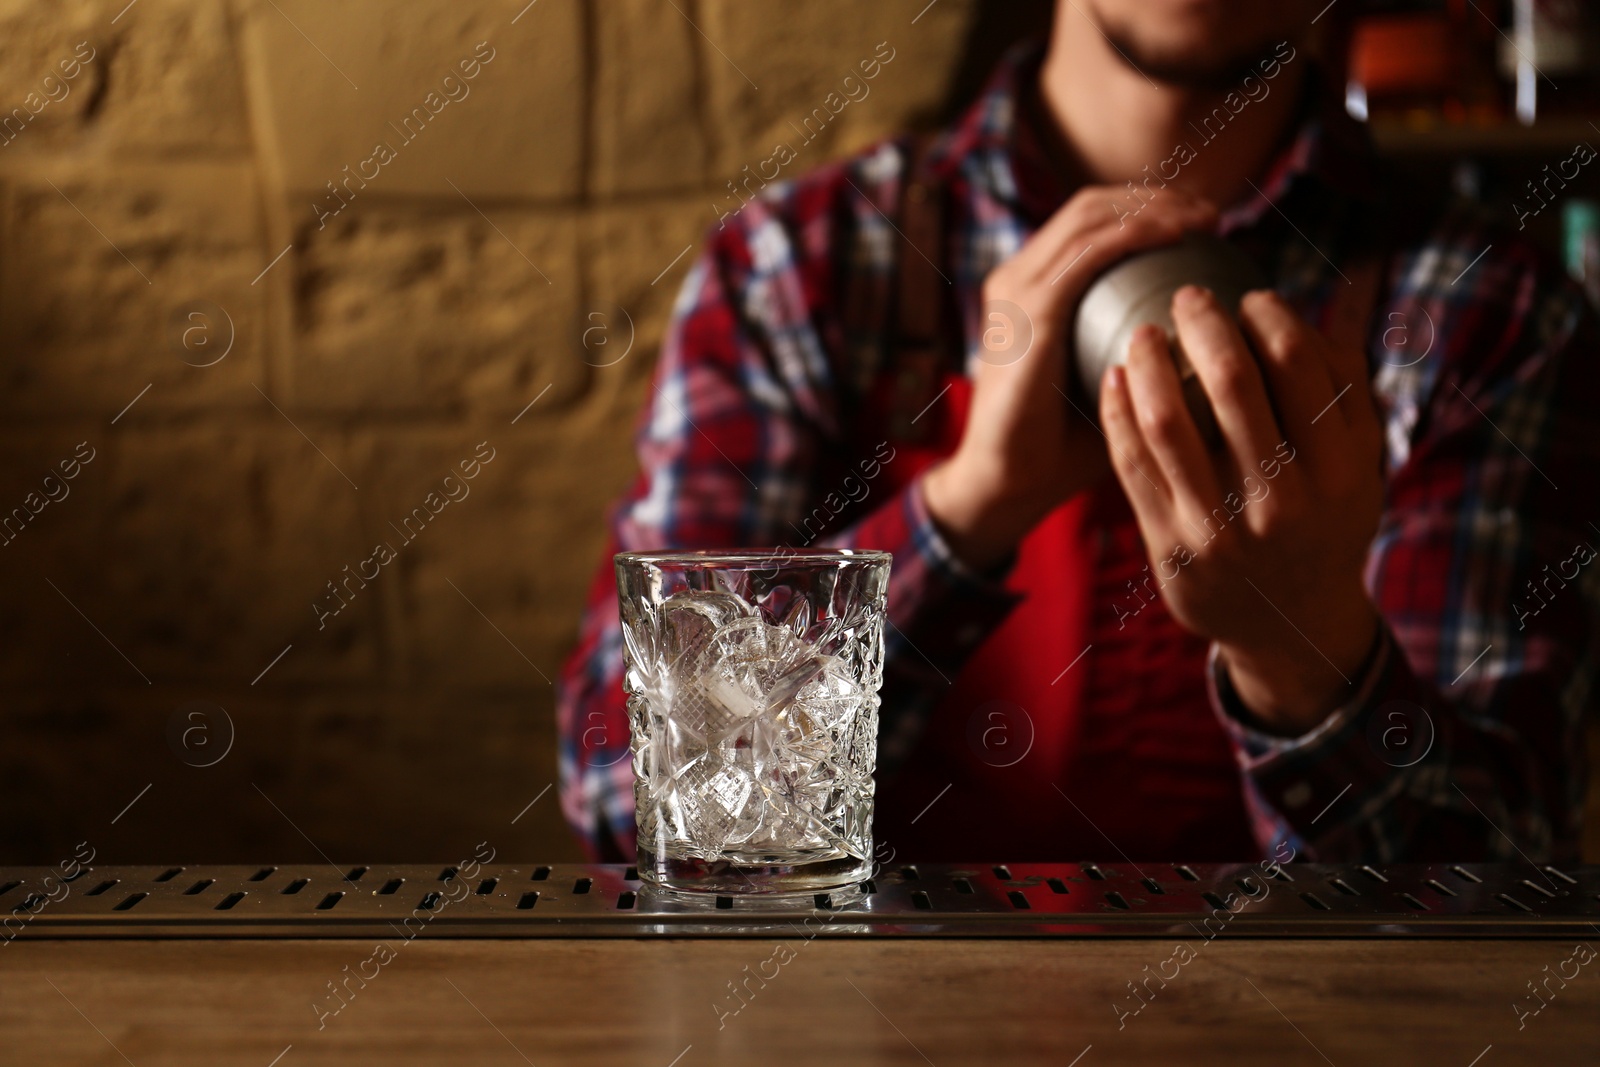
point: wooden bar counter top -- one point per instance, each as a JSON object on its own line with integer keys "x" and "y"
{"x": 1068, "y": 965}
{"x": 660, "y": 1002}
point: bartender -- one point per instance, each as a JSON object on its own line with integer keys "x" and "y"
{"x": 1107, "y": 638}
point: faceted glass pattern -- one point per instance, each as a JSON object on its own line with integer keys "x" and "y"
{"x": 752, "y": 682}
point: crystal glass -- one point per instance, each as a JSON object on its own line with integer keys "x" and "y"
{"x": 752, "y": 682}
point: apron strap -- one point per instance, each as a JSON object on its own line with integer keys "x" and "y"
{"x": 924, "y": 336}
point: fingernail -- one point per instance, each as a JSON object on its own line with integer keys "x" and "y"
{"x": 1194, "y": 295}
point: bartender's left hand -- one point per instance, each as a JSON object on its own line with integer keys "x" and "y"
{"x": 1278, "y": 584}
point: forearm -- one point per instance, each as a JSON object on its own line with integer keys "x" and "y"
{"x": 978, "y": 518}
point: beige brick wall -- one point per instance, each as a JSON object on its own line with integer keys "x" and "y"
{"x": 449, "y": 290}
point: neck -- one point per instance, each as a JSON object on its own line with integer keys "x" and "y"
{"x": 1116, "y": 123}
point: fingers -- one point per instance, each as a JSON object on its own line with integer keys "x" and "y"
{"x": 1051, "y": 295}
{"x": 1131, "y": 460}
{"x": 1348, "y": 328}
{"x": 1081, "y": 212}
{"x": 1296, "y": 370}
{"x": 1090, "y": 221}
{"x": 1347, "y": 349}
{"x": 1095, "y": 206}
{"x": 1228, "y": 372}
{"x": 1048, "y": 275}
{"x": 1164, "y": 422}
{"x": 1082, "y": 260}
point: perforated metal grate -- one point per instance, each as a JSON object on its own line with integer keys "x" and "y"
{"x": 925, "y": 900}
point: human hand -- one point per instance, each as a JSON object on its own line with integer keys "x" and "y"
{"x": 1261, "y": 546}
{"x": 1024, "y": 450}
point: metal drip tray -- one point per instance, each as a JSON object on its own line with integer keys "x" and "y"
{"x": 922, "y": 900}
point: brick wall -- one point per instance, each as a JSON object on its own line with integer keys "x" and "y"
{"x": 277, "y": 269}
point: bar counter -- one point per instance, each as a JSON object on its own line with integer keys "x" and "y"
{"x": 1072, "y": 965}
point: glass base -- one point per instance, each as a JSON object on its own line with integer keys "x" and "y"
{"x": 753, "y": 875}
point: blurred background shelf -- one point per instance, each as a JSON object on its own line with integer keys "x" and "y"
{"x": 1398, "y": 138}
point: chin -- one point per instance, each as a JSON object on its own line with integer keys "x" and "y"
{"x": 1203, "y": 43}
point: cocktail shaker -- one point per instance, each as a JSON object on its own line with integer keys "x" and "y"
{"x": 1138, "y": 290}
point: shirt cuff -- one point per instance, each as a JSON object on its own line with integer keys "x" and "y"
{"x": 939, "y": 556}
{"x": 1255, "y": 744}
{"x": 1316, "y": 789}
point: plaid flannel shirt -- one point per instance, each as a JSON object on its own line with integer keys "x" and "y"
{"x": 1463, "y": 738}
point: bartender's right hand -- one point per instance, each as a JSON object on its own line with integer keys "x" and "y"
{"x": 1025, "y": 450}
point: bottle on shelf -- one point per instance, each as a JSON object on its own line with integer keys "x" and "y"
{"x": 1580, "y": 232}
{"x": 1424, "y": 63}
{"x": 1550, "y": 54}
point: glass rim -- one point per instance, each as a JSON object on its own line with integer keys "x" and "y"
{"x": 753, "y": 556}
